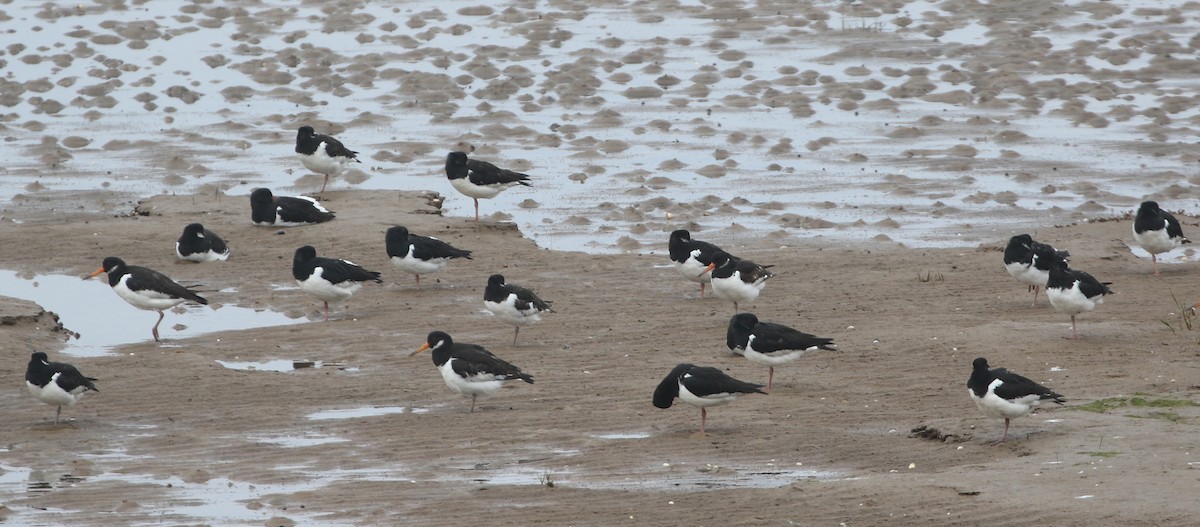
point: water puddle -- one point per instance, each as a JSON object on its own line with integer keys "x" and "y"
{"x": 305, "y": 440}
{"x": 667, "y": 477}
{"x": 366, "y": 411}
{"x": 622, "y": 435}
{"x": 104, "y": 321}
{"x": 279, "y": 365}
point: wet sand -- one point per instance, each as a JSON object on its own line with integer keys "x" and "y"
{"x": 832, "y": 443}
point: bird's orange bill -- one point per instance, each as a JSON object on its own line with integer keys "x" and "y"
{"x": 423, "y": 348}
{"x": 710, "y": 267}
{"x": 94, "y": 273}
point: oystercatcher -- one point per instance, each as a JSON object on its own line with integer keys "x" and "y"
{"x": 1157, "y": 231}
{"x": 322, "y": 154}
{"x": 737, "y": 279}
{"x": 269, "y": 210}
{"x": 513, "y": 304}
{"x": 480, "y": 179}
{"x": 328, "y": 279}
{"x": 769, "y": 343}
{"x": 691, "y": 257}
{"x": 469, "y": 369}
{"x": 56, "y": 383}
{"x": 701, "y": 387}
{"x": 1029, "y": 261}
{"x": 419, "y": 255}
{"x": 145, "y": 288}
{"x": 1000, "y": 393}
{"x": 1074, "y": 292}
{"x": 198, "y": 244}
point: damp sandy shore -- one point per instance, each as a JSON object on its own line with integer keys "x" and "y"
{"x": 374, "y": 437}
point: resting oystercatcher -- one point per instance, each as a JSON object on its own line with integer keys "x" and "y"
{"x": 769, "y": 343}
{"x": 198, "y": 244}
{"x": 1029, "y": 261}
{"x": 1003, "y": 394}
{"x": 322, "y": 154}
{"x": 328, "y": 279}
{"x": 56, "y": 383}
{"x": 1157, "y": 231}
{"x": 701, "y": 387}
{"x": 691, "y": 257}
{"x": 269, "y": 210}
{"x": 480, "y": 179}
{"x": 469, "y": 369}
{"x": 513, "y": 304}
{"x": 145, "y": 288}
{"x": 737, "y": 279}
{"x": 1074, "y": 292}
{"x": 419, "y": 255}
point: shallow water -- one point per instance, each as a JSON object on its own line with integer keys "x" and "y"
{"x": 840, "y": 126}
{"x": 88, "y": 307}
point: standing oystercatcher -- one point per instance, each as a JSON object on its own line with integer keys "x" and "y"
{"x": 769, "y": 343}
{"x": 145, "y": 288}
{"x": 1000, "y": 393}
{"x": 513, "y": 304}
{"x": 691, "y": 257}
{"x": 1029, "y": 261}
{"x": 1157, "y": 231}
{"x": 419, "y": 255}
{"x": 198, "y": 244}
{"x": 469, "y": 369}
{"x": 480, "y": 179}
{"x": 328, "y": 279}
{"x": 737, "y": 279}
{"x": 322, "y": 154}
{"x": 1074, "y": 292}
{"x": 701, "y": 387}
{"x": 269, "y": 210}
{"x": 56, "y": 383}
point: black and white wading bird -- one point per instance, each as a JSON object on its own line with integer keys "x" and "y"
{"x": 322, "y": 154}
{"x": 469, "y": 369}
{"x": 479, "y": 179}
{"x": 145, "y": 288}
{"x": 701, "y": 387}
{"x": 769, "y": 343}
{"x": 692, "y": 257}
{"x": 736, "y": 279}
{"x": 1074, "y": 292}
{"x": 1157, "y": 231}
{"x": 419, "y": 255}
{"x": 1002, "y": 394}
{"x": 1029, "y": 261}
{"x": 56, "y": 383}
{"x": 328, "y": 279}
{"x": 513, "y": 304}
{"x": 269, "y": 210}
{"x": 198, "y": 244}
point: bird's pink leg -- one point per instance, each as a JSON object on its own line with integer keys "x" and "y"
{"x": 476, "y": 209}
{"x": 701, "y": 289}
{"x": 515, "y": 333}
{"x": 418, "y": 280}
{"x": 770, "y": 376}
{"x": 326, "y": 311}
{"x": 1035, "y": 294}
{"x": 1154, "y": 258}
{"x": 1074, "y": 335}
{"x": 703, "y": 418}
{"x": 155, "y": 330}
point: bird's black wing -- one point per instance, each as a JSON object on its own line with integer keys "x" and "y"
{"x": 143, "y": 279}
{"x": 1015, "y": 386}
{"x": 484, "y": 173}
{"x": 338, "y": 271}
{"x": 703, "y": 381}
{"x": 335, "y": 148}
{"x": 70, "y": 379}
{"x": 425, "y": 247}
{"x": 769, "y": 337}
{"x": 301, "y": 210}
{"x": 473, "y": 360}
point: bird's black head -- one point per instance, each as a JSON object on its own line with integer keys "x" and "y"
{"x": 1151, "y": 205}
{"x": 262, "y": 196}
{"x": 668, "y": 389}
{"x": 305, "y": 132}
{"x": 305, "y": 254}
{"x": 980, "y": 364}
{"x": 437, "y": 339}
{"x": 1023, "y": 239}
{"x": 744, "y": 320}
{"x": 681, "y": 235}
{"x": 720, "y": 258}
{"x": 456, "y": 165}
{"x": 112, "y": 264}
{"x": 496, "y": 280}
{"x": 39, "y": 356}
{"x": 193, "y": 230}
{"x": 397, "y": 234}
